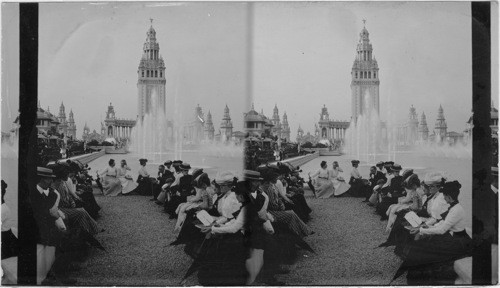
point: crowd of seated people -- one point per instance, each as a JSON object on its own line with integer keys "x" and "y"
{"x": 238, "y": 230}
{"x": 425, "y": 221}
{"x": 64, "y": 210}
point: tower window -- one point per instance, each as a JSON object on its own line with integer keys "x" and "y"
{"x": 142, "y": 73}
{"x": 369, "y": 74}
{"x": 147, "y": 73}
{"x": 374, "y": 74}
{"x": 366, "y": 75}
{"x": 356, "y": 75}
{"x": 156, "y": 73}
{"x": 361, "y": 74}
{"x": 161, "y": 74}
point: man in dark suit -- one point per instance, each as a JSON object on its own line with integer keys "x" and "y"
{"x": 163, "y": 176}
{"x": 375, "y": 175}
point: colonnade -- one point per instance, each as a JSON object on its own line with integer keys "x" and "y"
{"x": 120, "y": 131}
{"x": 336, "y": 133}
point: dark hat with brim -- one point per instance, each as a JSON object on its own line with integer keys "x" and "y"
{"x": 407, "y": 173}
{"x": 185, "y": 166}
{"x": 270, "y": 175}
{"x": 396, "y": 167}
{"x": 45, "y": 172}
{"x": 197, "y": 172}
{"x": 142, "y": 160}
{"x": 380, "y": 164}
{"x": 168, "y": 162}
{"x": 389, "y": 163}
{"x": 252, "y": 175}
{"x": 355, "y": 161}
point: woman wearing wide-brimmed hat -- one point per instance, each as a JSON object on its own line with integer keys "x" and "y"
{"x": 439, "y": 244}
{"x": 391, "y": 191}
{"x": 201, "y": 201}
{"x": 433, "y": 205}
{"x": 285, "y": 219}
{"x": 180, "y": 192}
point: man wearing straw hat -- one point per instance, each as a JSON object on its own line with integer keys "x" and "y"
{"x": 49, "y": 219}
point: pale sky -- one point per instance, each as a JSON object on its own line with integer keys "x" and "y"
{"x": 302, "y": 58}
{"x": 304, "y": 54}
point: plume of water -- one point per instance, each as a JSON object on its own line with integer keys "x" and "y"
{"x": 363, "y": 137}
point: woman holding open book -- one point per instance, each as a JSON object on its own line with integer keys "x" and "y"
{"x": 443, "y": 242}
{"x": 412, "y": 201}
{"x": 430, "y": 212}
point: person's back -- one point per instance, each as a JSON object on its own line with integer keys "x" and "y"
{"x": 397, "y": 186}
{"x": 185, "y": 185}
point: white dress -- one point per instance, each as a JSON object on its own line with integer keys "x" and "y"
{"x": 323, "y": 184}
{"x": 128, "y": 183}
{"x": 339, "y": 183}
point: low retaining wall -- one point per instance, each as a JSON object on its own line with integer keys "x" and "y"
{"x": 87, "y": 158}
{"x": 301, "y": 160}
{"x": 324, "y": 151}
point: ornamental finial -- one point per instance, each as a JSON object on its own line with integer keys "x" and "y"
{"x": 364, "y": 22}
{"x": 151, "y": 19}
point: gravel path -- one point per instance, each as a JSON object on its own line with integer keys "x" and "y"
{"x": 137, "y": 235}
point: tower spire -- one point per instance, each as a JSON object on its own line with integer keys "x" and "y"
{"x": 364, "y": 76}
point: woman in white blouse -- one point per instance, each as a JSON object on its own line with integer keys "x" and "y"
{"x": 128, "y": 184}
{"x": 444, "y": 241}
{"x": 323, "y": 184}
{"x": 339, "y": 184}
{"x": 112, "y": 185}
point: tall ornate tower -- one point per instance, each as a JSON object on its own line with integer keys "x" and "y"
{"x": 151, "y": 74}
{"x": 63, "y": 126}
{"x": 86, "y": 132}
{"x": 440, "y": 127}
{"x": 276, "y": 130}
{"x": 110, "y": 117}
{"x": 71, "y": 125}
{"x": 412, "y": 126}
{"x": 226, "y": 126}
{"x": 423, "y": 131}
{"x": 365, "y": 79}
{"x": 324, "y": 120}
{"x": 209, "y": 128}
{"x": 300, "y": 134}
{"x": 285, "y": 128}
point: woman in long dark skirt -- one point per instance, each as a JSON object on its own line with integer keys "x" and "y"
{"x": 442, "y": 243}
{"x": 432, "y": 208}
{"x": 179, "y": 193}
{"x": 391, "y": 192}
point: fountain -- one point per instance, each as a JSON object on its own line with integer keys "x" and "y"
{"x": 157, "y": 138}
{"x": 149, "y": 136}
{"x": 364, "y": 137}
